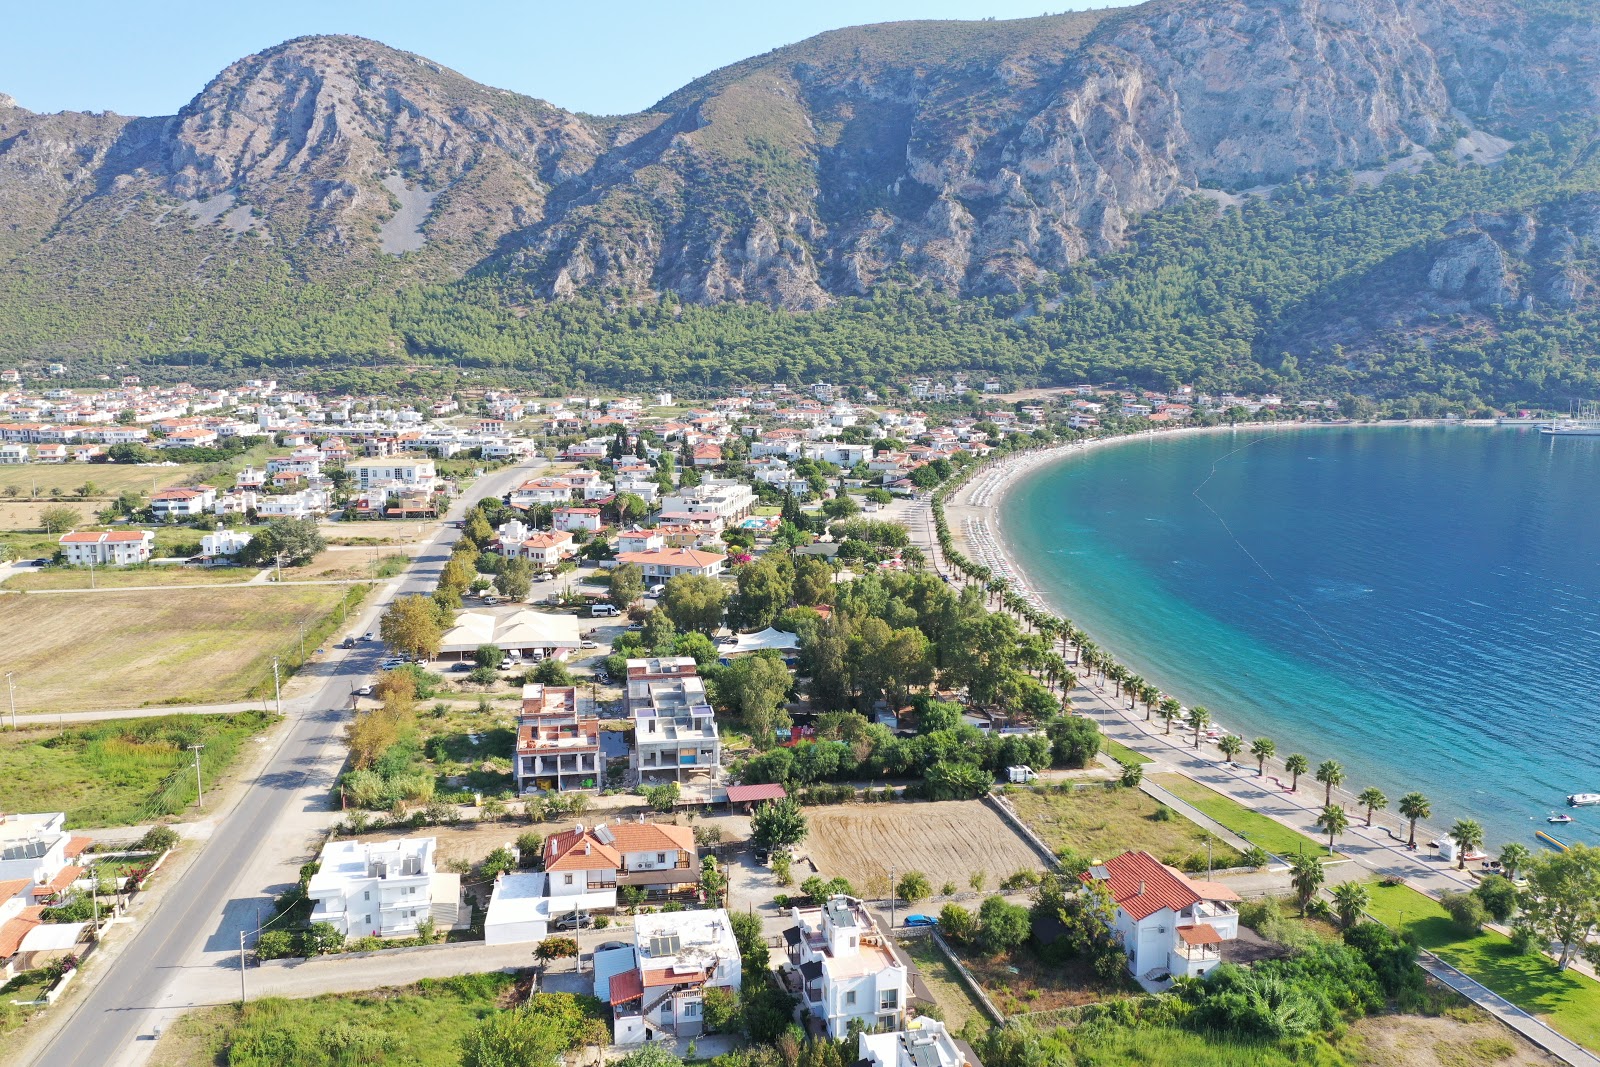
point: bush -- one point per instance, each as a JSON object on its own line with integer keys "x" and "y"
{"x": 157, "y": 839}
{"x": 484, "y": 676}
{"x": 276, "y": 945}
{"x": 913, "y": 887}
{"x": 1466, "y": 911}
{"x": 957, "y": 924}
{"x": 1002, "y": 926}
{"x": 1392, "y": 959}
{"x": 1498, "y": 897}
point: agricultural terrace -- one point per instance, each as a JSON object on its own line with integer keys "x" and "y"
{"x": 1103, "y": 820}
{"x": 79, "y": 651}
{"x": 949, "y": 841}
{"x": 121, "y": 772}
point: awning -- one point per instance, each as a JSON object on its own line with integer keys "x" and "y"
{"x": 744, "y": 794}
{"x": 625, "y": 987}
{"x": 52, "y": 936}
{"x": 1201, "y": 934}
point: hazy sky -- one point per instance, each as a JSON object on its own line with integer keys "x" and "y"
{"x": 149, "y": 57}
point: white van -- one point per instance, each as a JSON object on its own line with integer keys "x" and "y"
{"x": 603, "y": 611}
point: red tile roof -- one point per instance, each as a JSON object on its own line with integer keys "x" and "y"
{"x": 12, "y": 933}
{"x": 742, "y": 794}
{"x": 64, "y": 877}
{"x": 674, "y": 976}
{"x": 13, "y": 887}
{"x": 565, "y": 851}
{"x": 77, "y": 846}
{"x": 1142, "y": 886}
{"x": 672, "y": 557}
{"x": 625, "y": 987}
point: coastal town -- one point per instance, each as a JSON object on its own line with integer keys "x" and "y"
{"x": 709, "y": 726}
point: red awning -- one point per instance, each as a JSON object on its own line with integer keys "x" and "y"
{"x": 743, "y": 794}
{"x": 1202, "y": 934}
{"x": 625, "y": 987}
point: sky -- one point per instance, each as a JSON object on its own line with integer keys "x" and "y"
{"x": 150, "y": 57}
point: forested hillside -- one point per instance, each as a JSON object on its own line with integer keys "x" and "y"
{"x": 1382, "y": 197}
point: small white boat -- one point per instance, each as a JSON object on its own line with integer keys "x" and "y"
{"x": 1583, "y": 800}
{"x": 1559, "y": 818}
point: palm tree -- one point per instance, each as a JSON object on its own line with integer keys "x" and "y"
{"x": 1468, "y": 835}
{"x": 1350, "y": 899}
{"x": 1335, "y": 821}
{"x": 1413, "y": 807}
{"x": 1199, "y": 718}
{"x": 1229, "y": 746}
{"x": 1135, "y": 689}
{"x": 1514, "y": 857}
{"x": 1372, "y": 799}
{"x": 1331, "y": 773}
{"x": 1171, "y": 711}
{"x": 1306, "y": 875}
{"x": 1296, "y": 765}
{"x": 1262, "y": 748}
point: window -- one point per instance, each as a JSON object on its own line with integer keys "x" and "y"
{"x": 691, "y": 1009}
{"x": 891, "y": 1000}
{"x": 366, "y": 894}
{"x": 566, "y": 879}
{"x": 661, "y": 857}
{"x": 850, "y": 998}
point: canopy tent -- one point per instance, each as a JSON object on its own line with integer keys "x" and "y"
{"x": 522, "y": 629}
{"x": 770, "y": 638}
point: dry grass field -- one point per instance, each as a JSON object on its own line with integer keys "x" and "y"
{"x": 1100, "y": 823}
{"x": 948, "y": 841}
{"x": 109, "y": 478}
{"x": 82, "y": 651}
{"x": 22, "y": 514}
{"x": 163, "y": 574}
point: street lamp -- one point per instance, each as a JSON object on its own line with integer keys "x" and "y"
{"x": 11, "y": 688}
{"x": 200, "y": 794}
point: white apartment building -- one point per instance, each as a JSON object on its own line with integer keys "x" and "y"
{"x": 386, "y": 888}
{"x": 38, "y": 850}
{"x": 171, "y": 505}
{"x": 1170, "y": 925}
{"x": 656, "y": 987}
{"x": 222, "y": 543}
{"x": 674, "y": 728}
{"x": 406, "y": 473}
{"x": 113, "y": 548}
{"x": 848, "y": 971}
{"x": 923, "y": 1043}
{"x": 728, "y": 500}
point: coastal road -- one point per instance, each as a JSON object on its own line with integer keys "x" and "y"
{"x": 190, "y": 941}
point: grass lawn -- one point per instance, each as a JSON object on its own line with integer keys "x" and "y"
{"x": 420, "y": 1025}
{"x": 1098, "y": 822}
{"x": 1255, "y": 827}
{"x": 945, "y": 983}
{"x": 1122, "y": 753}
{"x": 129, "y": 577}
{"x": 123, "y": 771}
{"x": 347, "y": 565}
{"x": 109, "y": 478}
{"x": 79, "y": 651}
{"x": 1566, "y": 1000}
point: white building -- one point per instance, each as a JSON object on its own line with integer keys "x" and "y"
{"x": 656, "y": 988}
{"x": 848, "y": 971}
{"x": 404, "y": 473}
{"x": 674, "y": 728}
{"x": 663, "y": 564}
{"x": 171, "y": 505}
{"x": 37, "y": 850}
{"x": 224, "y": 542}
{"x": 574, "y": 519}
{"x": 659, "y": 858}
{"x": 923, "y": 1043}
{"x": 728, "y": 500}
{"x": 1170, "y": 925}
{"x": 113, "y": 548}
{"x": 387, "y": 888}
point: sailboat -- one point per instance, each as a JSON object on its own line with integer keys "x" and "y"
{"x": 1585, "y": 423}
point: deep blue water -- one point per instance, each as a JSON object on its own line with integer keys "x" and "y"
{"x": 1421, "y": 604}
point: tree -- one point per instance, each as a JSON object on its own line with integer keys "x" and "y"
{"x": 549, "y": 672}
{"x": 1561, "y": 903}
{"x": 1350, "y": 899}
{"x": 957, "y": 924}
{"x": 490, "y": 656}
{"x": 765, "y": 588}
{"x": 1514, "y": 857}
{"x": 1466, "y": 911}
{"x": 411, "y": 625}
{"x": 1074, "y": 741}
{"x": 1296, "y": 765}
{"x": 1230, "y": 746}
{"x": 778, "y": 824}
{"x": 1262, "y": 748}
{"x": 1330, "y": 773}
{"x": 1414, "y": 807}
{"x": 1498, "y": 895}
{"x": 1199, "y": 719}
{"x": 1002, "y": 926}
{"x": 1306, "y": 875}
{"x": 913, "y": 886}
{"x": 696, "y": 646}
{"x": 515, "y": 578}
{"x": 1171, "y": 711}
{"x": 1334, "y": 821}
{"x": 478, "y": 530}
{"x": 625, "y": 585}
{"x": 756, "y": 687}
{"x": 295, "y": 541}
{"x": 695, "y": 602}
{"x": 1372, "y": 799}
{"x": 813, "y": 581}
{"x": 1467, "y": 835}
{"x": 662, "y": 797}
{"x": 59, "y": 519}
{"x": 86, "y": 490}
{"x": 722, "y": 1012}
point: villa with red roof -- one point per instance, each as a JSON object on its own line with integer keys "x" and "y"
{"x": 1170, "y": 925}
{"x": 107, "y": 548}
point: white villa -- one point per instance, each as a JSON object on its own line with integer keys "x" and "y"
{"x": 387, "y": 888}
{"x": 656, "y": 987}
{"x": 848, "y": 971}
{"x": 1170, "y": 925}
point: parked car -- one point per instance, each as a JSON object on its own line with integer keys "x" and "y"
{"x": 603, "y": 611}
{"x": 364, "y": 691}
{"x": 369, "y": 636}
{"x": 577, "y": 921}
{"x": 655, "y": 591}
{"x": 587, "y": 644}
{"x": 391, "y": 663}
{"x": 922, "y": 920}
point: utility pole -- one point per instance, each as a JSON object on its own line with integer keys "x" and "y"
{"x": 893, "y": 898}
{"x": 277, "y": 691}
{"x": 11, "y": 688}
{"x": 200, "y": 794}
{"x": 91, "y": 572}
{"x": 241, "y": 967}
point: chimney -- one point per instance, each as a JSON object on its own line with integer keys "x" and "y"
{"x": 1141, "y": 887}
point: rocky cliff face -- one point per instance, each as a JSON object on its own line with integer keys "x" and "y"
{"x": 977, "y": 156}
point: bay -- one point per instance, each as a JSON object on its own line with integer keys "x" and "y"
{"x": 1421, "y": 604}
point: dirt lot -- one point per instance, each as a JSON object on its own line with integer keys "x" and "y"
{"x": 108, "y": 478}
{"x": 1100, "y": 823}
{"x": 23, "y": 514}
{"x": 1462, "y": 1038}
{"x": 124, "y": 649}
{"x": 948, "y": 841}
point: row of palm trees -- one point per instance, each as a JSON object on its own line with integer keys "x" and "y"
{"x": 1099, "y": 665}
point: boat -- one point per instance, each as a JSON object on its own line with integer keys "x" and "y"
{"x": 1583, "y": 800}
{"x": 1559, "y": 818}
{"x": 1584, "y": 423}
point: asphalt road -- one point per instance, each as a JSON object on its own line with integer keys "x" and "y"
{"x": 199, "y": 914}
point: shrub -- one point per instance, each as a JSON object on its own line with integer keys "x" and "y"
{"x": 1002, "y": 926}
{"x": 913, "y": 887}
{"x": 1392, "y": 959}
{"x": 1498, "y": 897}
{"x": 157, "y": 839}
{"x": 957, "y": 924}
{"x": 275, "y": 945}
{"x": 1466, "y": 910}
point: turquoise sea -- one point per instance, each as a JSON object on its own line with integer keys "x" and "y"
{"x": 1421, "y": 604}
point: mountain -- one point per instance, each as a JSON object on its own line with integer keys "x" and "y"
{"x": 974, "y": 159}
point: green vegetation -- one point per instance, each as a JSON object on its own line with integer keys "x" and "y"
{"x": 1567, "y": 1000}
{"x": 1095, "y": 822}
{"x": 950, "y": 993}
{"x": 1122, "y": 753}
{"x": 1252, "y": 826}
{"x": 120, "y": 772}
